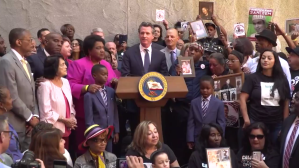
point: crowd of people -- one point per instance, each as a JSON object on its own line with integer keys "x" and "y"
{"x": 58, "y": 99}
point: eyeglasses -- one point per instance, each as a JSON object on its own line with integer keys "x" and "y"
{"x": 232, "y": 61}
{"x": 29, "y": 40}
{"x": 10, "y": 133}
{"x": 75, "y": 44}
{"x": 97, "y": 140}
{"x": 256, "y": 136}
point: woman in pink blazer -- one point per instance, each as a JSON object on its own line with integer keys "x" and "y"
{"x": 55, "y": 97}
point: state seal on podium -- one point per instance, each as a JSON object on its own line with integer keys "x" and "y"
{"x": 152, "y": 86}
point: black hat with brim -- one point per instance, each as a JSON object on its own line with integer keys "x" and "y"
{"x": 269, "y": 35}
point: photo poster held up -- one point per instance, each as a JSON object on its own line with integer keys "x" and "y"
{"x": 292, "y": 26}
{"x": 258, "y": 21}
{"x": 219, "y": 157}
{"x": 228, "y": 89}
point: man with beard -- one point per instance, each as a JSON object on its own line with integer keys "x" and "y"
{"x": 267, "y": 40}
{"x": 53, "y": 43}
{"x": 2, "y": 47}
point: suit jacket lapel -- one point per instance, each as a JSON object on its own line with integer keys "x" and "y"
{"x": 99, "y": 96}
{"x": 108, "y": 98}
{"x": 209, "y": 110}
{"x": 286, "y": 131}
{"x": 42, "y": 57}
{"x": 18, "y": 62}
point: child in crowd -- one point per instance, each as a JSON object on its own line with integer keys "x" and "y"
{"x": 204, "y": 109}
{"x": 100, "y": 108}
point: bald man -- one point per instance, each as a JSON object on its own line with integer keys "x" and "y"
{"x": 111, "y": 47}
{"x": 53, "y": 43}
{"x": 171, "y": 52}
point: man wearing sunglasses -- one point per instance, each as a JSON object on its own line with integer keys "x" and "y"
{"x": 5, "y": 136}
{"x": 290, "y": 136}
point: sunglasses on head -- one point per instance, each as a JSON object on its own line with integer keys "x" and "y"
{"x": 256, "y": 136}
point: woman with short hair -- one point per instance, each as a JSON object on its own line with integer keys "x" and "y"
{"x": 146, "y": 141}
{"x": 218, "y": 65}
{"x": 81, "y": 80}
{"x": 54, "y": 96}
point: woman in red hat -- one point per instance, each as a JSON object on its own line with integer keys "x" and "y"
{"x": 95, "y": 143}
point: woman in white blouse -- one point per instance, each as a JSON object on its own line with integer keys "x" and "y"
{"x": 55, "y": 98}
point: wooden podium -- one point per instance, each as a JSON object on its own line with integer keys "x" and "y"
{"x": 128, "y": 89}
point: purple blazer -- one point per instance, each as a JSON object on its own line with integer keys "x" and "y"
{"x": 215, "y": 114}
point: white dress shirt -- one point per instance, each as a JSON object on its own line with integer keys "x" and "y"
{"x": 47, "y": 54}
{"x": 252, "y": 65}
{"x": 142, "y": 52}
{"x": 18, "y": 55}
{"x": 290, "y": 133}
{"x": 20, "y": 59}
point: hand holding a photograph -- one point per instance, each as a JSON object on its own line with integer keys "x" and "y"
{"x": 165, "y": 23}
{"x": 294, "y": 35}
{"x": 198, "y": 17}
{"x": 214, "y": 76}
{"x": 277, "y": 29}
{"x": 258, "y": 164}
{"x": 178, "y": 69}
{"x": 223, "y": 39}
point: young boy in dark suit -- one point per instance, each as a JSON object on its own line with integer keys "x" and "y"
{"x": 100, "y": 108}
{"x": 204, "y": 109}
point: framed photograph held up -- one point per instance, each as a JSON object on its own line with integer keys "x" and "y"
{"x": 187, "y": 65}
{"x": 199, "y": 29}
{"x": 218, "y": 157}
{"x": 292, "y": 26}
{"x": 206, "y": 10}
{"x": 228, "y": 88}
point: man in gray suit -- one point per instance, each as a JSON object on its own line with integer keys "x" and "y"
{"x": 170, "y": 51}
{"x": 16, "y": 75}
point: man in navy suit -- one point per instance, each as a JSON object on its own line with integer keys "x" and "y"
{"x": 41, "y": 35}
{"x": 289, "y": 146}
{"x": 101, "y": 108}
{"x": 139, "y": 60}
{"x": 53, "y": 43}
{"x": 144, "y": 57}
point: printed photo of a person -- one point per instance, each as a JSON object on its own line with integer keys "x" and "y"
{"x": 186, "y": 68}
{"x": 259, "y": 23}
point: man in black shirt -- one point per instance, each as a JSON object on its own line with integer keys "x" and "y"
{"x": 211, "y": 29}
{"x": 293, "y": 61}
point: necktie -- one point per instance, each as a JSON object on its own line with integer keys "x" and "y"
{"x": 204, "y": 107}
{"x": 288, "y": 149}
{"x": 172, "y": 56}
{"x": 24, "y": 63}
{"x": 146, "y": 61}
{"x": 104, "y": 96}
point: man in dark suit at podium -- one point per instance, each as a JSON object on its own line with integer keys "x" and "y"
{"x": 139, "y": 60}
{"x": 144, "y": 57}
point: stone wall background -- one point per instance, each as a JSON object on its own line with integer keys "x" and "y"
{"x": 124, "y": 16}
